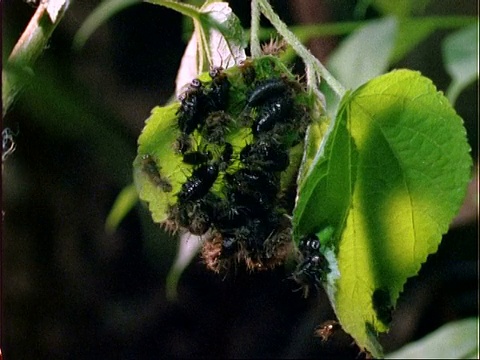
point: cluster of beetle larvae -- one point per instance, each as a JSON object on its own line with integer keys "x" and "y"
{"x": 245, "y": 220}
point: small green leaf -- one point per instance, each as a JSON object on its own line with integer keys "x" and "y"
{"x": 124, "y": 202}
{"x": 460, "y": 54}
{"x": 188, "y": 248}
{"x": 389, "y": 179}
{"x": 325, "y": 193}
{"x": 455, "y": 340}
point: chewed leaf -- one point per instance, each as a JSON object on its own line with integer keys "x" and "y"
{"x": 218, "y": 40}
{"x": 157, "y": 168}
{"x": 390, "y": 177}
{"x": 226, "y": 37}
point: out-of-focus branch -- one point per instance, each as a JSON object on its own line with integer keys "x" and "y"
{"x": 29, "y": 47}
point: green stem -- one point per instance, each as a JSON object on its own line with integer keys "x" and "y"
{"x": 106, "y": 10}
{"x": 27, "y": 50}
{"x": 314, "y": 68}
{"x": 184, "y": 9}
{"x": 255, "y": 48}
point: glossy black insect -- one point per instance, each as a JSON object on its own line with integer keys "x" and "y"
{"x": 309, "y": 246}
{"x": 193, "y": 107}
{"x": 267, "y": 90}
{"x": 253, "y": 235}
{"x": 219, "y": 91}
{"x": 309, "y": 273}
{"x": 197, "y": 157}
{"x": 149, "y": 167}
{"x": 199, "y": 183}
{"x": 262, "y": 185}
{"x": 252, "y": 203}
{"x": 271, "y": 113}
{"x": 228, "y": 215}
{"x": 265, "y": 155}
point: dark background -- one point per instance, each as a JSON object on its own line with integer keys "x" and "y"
{"x": 69, "y": 290}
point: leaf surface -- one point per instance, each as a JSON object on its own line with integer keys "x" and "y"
{"x": 157, "y": 160}
{"x": 389, "y": 178}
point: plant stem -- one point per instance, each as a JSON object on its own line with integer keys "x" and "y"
{"x": 27, "y": 50}
{"x": 255, "y": 48}
{"x": 314, "y": 68}
{"x": 184, "y": 9}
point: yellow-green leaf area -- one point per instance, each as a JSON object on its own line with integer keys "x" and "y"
{"x": 157, "y": 164}
{"x": 412, "y": 171}
{"x": 325, "y": 182}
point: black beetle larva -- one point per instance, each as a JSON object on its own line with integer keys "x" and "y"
{"x": 193, "y": 106}
{"x": 265, "y": 155}
{"x": 274, "y": 111}
{"x": 218, "y": 95}
{"x": 199, "y": 183}
{"x": 266, "y": 90}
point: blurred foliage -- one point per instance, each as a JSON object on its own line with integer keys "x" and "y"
{"x": 71, "y": 290}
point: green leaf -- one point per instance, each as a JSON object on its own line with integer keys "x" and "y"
{"x": 389, "y": 178}
{"x": 455, "y": 340}
{"x": 460, "y": 55}
{"x": 156, "y": 164}
{"x": 124, "y": 202}
{"x": 188, "y": 248}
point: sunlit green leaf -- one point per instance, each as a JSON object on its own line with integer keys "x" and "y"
{"x": 389, "y": 179}
{"x": 455, "y": 340}
{"x": 460, "y": 54}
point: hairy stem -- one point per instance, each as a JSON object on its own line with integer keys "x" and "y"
{"x": 314, "y": 68}
{"x": 255, "y": 30}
